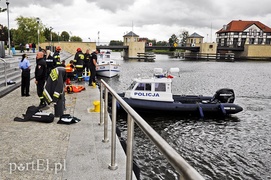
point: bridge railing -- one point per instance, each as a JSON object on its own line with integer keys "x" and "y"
{"x": 185, "y": 171}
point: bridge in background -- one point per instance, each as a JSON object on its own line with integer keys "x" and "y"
{"x": 193, "y": 49}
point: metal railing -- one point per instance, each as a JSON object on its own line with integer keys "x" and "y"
{"x": 185, "y": 171}
{"x": 5, "y": 70}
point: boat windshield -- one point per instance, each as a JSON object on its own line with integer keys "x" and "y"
{"x": 143, "y": 87}
{"x": 132, "y": 86}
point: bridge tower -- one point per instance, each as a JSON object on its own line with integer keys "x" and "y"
{"x": 131, "y": 40}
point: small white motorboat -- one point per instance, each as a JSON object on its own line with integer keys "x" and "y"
{"x": 106, "y": 66}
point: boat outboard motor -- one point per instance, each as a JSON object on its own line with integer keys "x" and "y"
{"x": 224, "y": 95}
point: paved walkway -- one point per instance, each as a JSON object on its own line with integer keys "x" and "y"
{"x": 32, "y": 150}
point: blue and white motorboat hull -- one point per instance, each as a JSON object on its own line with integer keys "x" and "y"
{"x": 201, "y": 109}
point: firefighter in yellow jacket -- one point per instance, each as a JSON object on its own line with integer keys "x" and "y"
{"x": 56, "y": 56}
{"x": 79, "y": 63}
{"x": 54, "y": 86}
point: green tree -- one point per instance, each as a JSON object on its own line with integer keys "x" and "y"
{"x": 47, "y": 34}
{"x": 153, "y": 41}
{"x": 115, "y": 43}
{"x": 161, "y": 43}
{"x": 3, "y": 33}
{"x": 173, "y": 41}
{"x": 65, "y": 36}
{"x": 76, "y": 39}
{"x": 2, "y": 10}
{"x": 183, "y": 36}
{"x": 28, "y": 30}
{"x": 55, "y": 37}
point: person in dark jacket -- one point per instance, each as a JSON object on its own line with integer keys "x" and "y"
{"x": 79, "y": 63}
{"x": 93, "y": 66}
{"x": 25, "y": 67}
{"x": 54, "y": 86}
{"x": 56, "y": 56}
{"x": 50, "y": 62}
{"x": 33, "y": 47}
{"x": 40, "y": 76}
{"x": 87, "y": 62}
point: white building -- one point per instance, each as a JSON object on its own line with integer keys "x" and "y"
{"x": 238, "y": 33}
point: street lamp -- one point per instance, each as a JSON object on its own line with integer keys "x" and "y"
{"x": 38, "y": 21}
{"x": 51, "y": 38}
{"x": 7, "y": 2}
{"x": 89, "y": 39}
{"x": 98, "y": 37}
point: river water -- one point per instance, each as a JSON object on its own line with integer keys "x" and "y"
{"x": 236, "y": 147}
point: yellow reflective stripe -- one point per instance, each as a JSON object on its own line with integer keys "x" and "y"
{"x": 47, "y": 96}
{"x": 56, "y": 94}
{"x": 54, "y": 74}
{"x": 79, "y": 66}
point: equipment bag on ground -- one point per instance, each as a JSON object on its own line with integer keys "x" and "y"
{"x": 33, "y": 113}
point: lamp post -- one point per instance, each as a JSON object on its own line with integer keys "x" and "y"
{"x": 7, "y": 2}
{"x": 38, "y": 21}
{"x": 98, "y": 37}
{"x": 51, "y": 38}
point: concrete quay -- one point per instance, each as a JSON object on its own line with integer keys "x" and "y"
{"x": 32, "y": 150}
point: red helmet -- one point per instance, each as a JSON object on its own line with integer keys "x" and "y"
{"x": 79, "y": 49}
{"x": 58, "y": 48}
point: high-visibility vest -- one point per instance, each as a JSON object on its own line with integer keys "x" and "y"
{"x": 68, "y": 68}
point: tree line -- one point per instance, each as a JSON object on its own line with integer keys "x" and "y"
{"x": 32, "y": 30}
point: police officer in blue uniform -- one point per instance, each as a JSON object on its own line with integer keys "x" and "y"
{"x": 25, "y": 83}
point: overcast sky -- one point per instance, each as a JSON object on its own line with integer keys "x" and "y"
{"x": 153, "y": 19}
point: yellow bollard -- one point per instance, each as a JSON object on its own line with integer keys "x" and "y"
{"x": 96, "y": 106}
{"x": 94, "y": 85}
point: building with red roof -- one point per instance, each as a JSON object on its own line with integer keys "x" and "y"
{"x": 238, "y": 33}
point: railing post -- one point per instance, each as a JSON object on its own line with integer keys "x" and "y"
{"x": 105, "y": 115}
{"x": 5, "y": 70}
{"x": 129, "y": 150}
{"x": 113, "y": 165}
{"x": 101, "y": 105}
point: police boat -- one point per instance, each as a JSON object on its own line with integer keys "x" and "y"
{"x": 155, "y": 95}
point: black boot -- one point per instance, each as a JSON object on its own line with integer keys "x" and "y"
{"x": 42, "y": 104}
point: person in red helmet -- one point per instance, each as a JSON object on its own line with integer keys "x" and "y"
{"x": 56, "y": 56}
{"x": 79, "y": 63}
